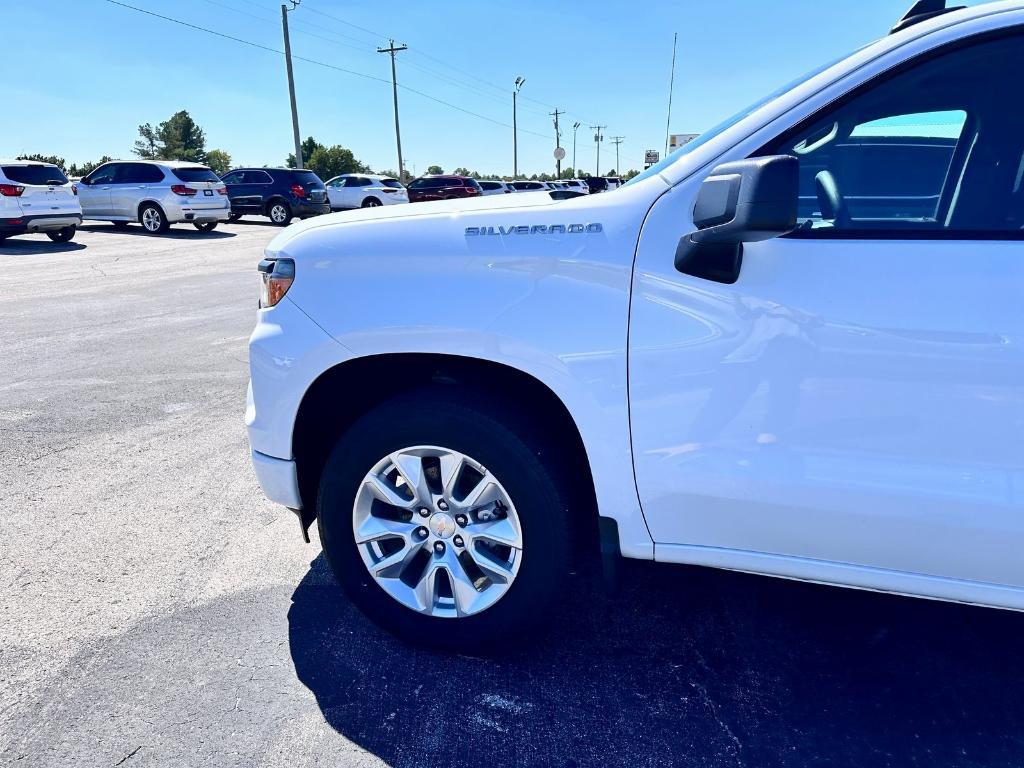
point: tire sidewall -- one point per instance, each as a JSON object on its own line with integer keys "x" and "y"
{"x": 164, "y": 224}
{"x": 530, "y": 487}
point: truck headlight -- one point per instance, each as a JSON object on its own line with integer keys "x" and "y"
{"x": 277, "y": 277}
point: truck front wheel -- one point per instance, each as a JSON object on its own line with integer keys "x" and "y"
{"x": 444, "y": 523}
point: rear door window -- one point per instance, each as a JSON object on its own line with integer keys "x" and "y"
{"x": 42, "y": 175}
{"x": 195, "y": 174}
{"x": 307, "y": 178}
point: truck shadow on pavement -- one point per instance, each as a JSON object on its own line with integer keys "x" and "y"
{"x": 682, "y": 666}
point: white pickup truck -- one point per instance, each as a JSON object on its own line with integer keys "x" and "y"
{"x": 795, "y": 347}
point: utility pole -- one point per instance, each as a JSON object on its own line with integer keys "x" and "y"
{"x": 598, "y": 138}
{"x": 558, "y": 141}
{"x": 291, "y": 80}
{"x": 575, "y": 168}
{"x": 394, "y": 88}
{"x": 671, "y": 87}
{"x": 616, "y": 140}
{"x": 515, "y": 144}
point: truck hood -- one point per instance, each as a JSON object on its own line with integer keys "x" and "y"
{"x": 407, "y": 211}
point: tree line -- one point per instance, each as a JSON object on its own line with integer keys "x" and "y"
{"x": 180, "y": 138}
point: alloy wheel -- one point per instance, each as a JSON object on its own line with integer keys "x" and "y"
{"x": 151, "y": 220}
{"x": 278, "y": 213}
{"x": 437, "y": 531}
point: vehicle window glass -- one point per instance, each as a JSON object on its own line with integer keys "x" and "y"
{"x": 139, "y": 173}
{"x": 933, "y": 149}
{"x": 488, "y": 185}
{"x": 306, "y": 177}
{"x": 336, "y": 183}
{"x": 258, "y": 177}
{"x": 195, "y": 174}
{"x": 359, "y": 181}
{"x": 233, "y": 178}
{"x": 393, "y": 183}
{"x": 104, "y": 174}
{"x": 35, "y": 174}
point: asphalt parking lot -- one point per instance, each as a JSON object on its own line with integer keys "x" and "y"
{"x": 156, "y": 610}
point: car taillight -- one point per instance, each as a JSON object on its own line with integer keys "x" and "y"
{"x": 278, "y": 276}
{"x": 11, "y": 190}
{"x": 181, "y": 189}
{"x": 298, "y": 190}
{"x": 472, "y": 191}
{"x": 222, "y": 190}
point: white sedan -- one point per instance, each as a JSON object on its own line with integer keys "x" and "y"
{"x": 363, "y": 190}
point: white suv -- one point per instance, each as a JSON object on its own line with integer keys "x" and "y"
{"x": 156, "y": 194}
{"x": 364, "y": 190}
{"x": 37, "y": 197}
{"x": 795, "y": 347}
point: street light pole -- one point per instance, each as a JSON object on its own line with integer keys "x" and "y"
{"x": 291, "y": 80}
{"x": 575, "y": 168}
{"x": 515, "y": 144}
{"x": 394, "y": 87}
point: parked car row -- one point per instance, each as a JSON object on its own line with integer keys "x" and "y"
{"x": 38, "y": 197}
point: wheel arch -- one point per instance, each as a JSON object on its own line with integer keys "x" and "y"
{"x": 274, "y": 199}
{"x": 143, "y": 203}
{"x": 347, "y": 390}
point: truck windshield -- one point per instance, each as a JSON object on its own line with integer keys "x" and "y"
{"x": 725, "y": 125}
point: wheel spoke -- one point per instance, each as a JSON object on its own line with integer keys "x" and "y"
{"x": 392, "y": 566}
{"x": 451, "y": 469}
{"x": 410, "y": 467}
{"x": 374, "y": 528}
{"x": 484, "y": 492}
{"x": 502, "y": 531}
{"x": 497, "y": 572}
{"x": 463, "y": 591}
{"x": 382, "y": 489}
{"x": 426, "y": 588}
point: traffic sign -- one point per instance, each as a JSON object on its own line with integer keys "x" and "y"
{"x": 559, "y": 153}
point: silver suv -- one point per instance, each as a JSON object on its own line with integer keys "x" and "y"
{"x": 155, "y": 193}
{"x": 37, "y": 197}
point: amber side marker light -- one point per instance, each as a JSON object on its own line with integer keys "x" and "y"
{"x": 277, "y": 277}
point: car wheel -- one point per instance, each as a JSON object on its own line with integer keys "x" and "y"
{"x": 205, "y": 226}
{"x": 280, "y": 213}
{"x": 233, "y": 217}
{"x": 153, "y": 220}
{"x": 444, "y": 523}
{"x": 371, "y": 202}
{"x": 120, "y": 224}
{"x": 62, "y": 235}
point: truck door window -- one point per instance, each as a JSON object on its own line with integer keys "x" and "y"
{"x": 932, "y": 150}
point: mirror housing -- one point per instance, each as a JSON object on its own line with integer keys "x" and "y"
{"x": 745, "y": 201}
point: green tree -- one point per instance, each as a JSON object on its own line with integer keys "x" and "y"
{"x": 309, "y": 146}
{"x": 86, "y": 168}
{"x": 219, "y": 161}
{"x": 392, "y": 173}
{"x": 568, "y": 173}
{"x": 435, "y": 170}
{"x": 632, "y": 172}
{"x": 460, "y": 171}
{"x": 177, "y": 138}
{"x": 53, "y": 159}
{"x": 327, "y": 162}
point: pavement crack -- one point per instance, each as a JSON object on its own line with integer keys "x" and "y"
{"x": 129, "y": 756}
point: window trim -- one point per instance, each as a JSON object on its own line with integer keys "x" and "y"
{"x": 1016, "y": 30}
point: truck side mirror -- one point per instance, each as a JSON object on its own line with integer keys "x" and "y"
{"x": 740, "y": 202}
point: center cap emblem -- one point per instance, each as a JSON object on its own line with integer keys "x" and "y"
{"x": 442, "y": 525}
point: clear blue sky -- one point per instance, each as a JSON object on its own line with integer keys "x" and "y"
{"x": 90, "y": 72}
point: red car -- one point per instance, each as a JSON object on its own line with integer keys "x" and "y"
{"x": 442, "y": 188}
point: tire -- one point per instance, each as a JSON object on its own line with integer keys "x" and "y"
{"x": 62, "y": 235}
{"x": 153, "y": 220}
{"x": 206, "y": 226}
{"x": 233, "y": 217}
{"x": 120, "y": 224}
{"x": 536, "y": 510}
{"x": 280, "y": 213}
{"x": 371, "y": 202}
